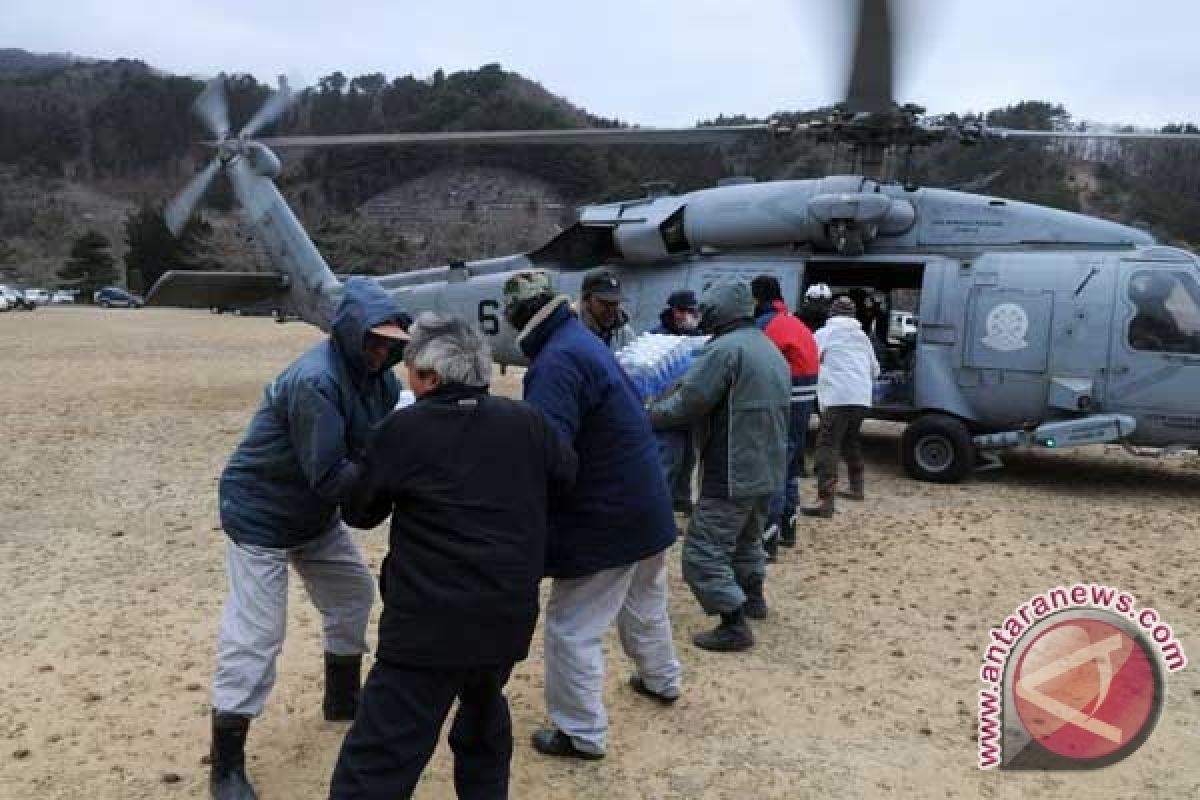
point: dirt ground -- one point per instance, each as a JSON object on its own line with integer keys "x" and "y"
{"x": 863, "y": 684}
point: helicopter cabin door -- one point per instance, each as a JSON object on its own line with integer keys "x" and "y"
{"x": 1154, "y": 355}
{"x": 1006, "y": 354}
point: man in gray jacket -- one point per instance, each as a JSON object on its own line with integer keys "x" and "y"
{"x": 600, "y": 309}
{"x": 735, "y": 396}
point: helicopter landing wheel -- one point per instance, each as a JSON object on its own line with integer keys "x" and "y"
{"x": 937, "y": 448}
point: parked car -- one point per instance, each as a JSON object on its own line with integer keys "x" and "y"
{"x": 62, "y": 297}
{"x": 39, "y": 297}
{"x": 113, "y": 297}
{"x": 5, "y": 305}
{"x": 16, "y": 299}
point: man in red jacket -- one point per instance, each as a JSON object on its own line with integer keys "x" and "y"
{"x": 795, "y": 341}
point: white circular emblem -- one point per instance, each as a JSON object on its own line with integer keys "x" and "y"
{"x": 1007, "y": 325}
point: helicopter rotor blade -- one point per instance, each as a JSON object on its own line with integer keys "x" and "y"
{"x": 870, "y": 85}
{"x": 213, "y": 109}
{"x": 1017, "y": 133}
{"x": 601, "y": 136}
{"x": 180, "y": 208}
{"x": 271, "y": 110}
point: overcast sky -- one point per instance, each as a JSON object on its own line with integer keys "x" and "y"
{"x": 667, "y": 62}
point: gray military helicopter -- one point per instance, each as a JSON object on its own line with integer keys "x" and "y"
{"x": 1038, "y": 327}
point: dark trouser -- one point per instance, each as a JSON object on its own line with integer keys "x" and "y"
{"x": 399, "y": 719}
{"x": 678, "y": 463}
{"x": 724, "y": 552}
{"x": 784, "y": 502}
{"x": 839, "y": 434}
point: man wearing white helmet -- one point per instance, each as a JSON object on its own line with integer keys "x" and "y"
{"x": 815, "y": 310}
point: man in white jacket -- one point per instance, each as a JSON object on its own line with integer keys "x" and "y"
{"x": 844, "y": 387}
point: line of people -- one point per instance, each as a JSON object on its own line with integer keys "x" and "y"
{"x": 487, "y": 496}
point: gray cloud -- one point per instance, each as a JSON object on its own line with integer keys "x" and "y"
{"x": 669, "y": 61}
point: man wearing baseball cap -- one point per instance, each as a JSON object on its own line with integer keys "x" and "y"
{"x": 844, "y": 388}
{"x": 280, "y": 500}
{"x": 600, "y": 309}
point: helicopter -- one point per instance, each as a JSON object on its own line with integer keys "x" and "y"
{"x": 1038, "y": 327}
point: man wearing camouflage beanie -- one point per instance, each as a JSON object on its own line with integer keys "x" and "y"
{"x": 607, "y": 545}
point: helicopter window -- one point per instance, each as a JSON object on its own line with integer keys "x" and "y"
{"x": 674, "y": 236}
{"x": 1168, "y": 312}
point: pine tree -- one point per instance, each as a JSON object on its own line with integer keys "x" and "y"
{"x": 90, "y": 266}
{"x": 153, "y": 250}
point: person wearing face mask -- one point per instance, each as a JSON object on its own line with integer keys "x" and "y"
{"x": 735, "y": 397}
{"x": 681, "y": 317}
{"x": 281, "y": 498}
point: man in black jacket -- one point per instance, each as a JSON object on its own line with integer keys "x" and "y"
{"x": 467, "y": 478}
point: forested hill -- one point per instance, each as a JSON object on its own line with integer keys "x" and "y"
{"x": 124, "y": 129}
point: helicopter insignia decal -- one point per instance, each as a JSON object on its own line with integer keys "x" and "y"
{"x": 1007, "y": 325}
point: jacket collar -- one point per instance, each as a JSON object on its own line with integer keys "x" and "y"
{"x": 542, "y": 326}
{"x": 730, "y": 327}
{"x": 844, "y": 322}
{"x": 452, "y": 393}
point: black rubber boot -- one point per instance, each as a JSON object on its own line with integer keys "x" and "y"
{"x": 342, "y": 685}
{"x": 227, "y": 780}
{"x": 857, "y": 491}
{"x": 787, "y": 534}
{"x": 731, "y": 636}
{"x": 756, "y": 604}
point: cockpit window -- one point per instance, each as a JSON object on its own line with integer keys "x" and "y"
{"x": 673, "y": 233}
{"x": 1167, "y": 319}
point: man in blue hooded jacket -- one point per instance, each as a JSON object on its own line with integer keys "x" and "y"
{"x": 608, "y": 539}
{"x": 280, "y": 498}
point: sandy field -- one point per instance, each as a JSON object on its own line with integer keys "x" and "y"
{"x": 863, "y": 684}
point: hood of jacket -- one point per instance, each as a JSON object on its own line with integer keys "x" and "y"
{"x": 364, "y": 305}
{"x": 726, "y": 306}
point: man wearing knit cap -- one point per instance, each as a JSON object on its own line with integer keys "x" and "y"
{"x": 607, "y": 542}
{"x": 844, "y": 386}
